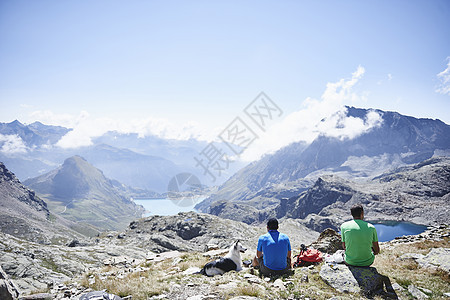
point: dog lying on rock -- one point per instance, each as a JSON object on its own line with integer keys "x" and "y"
{"x": 231, "y": 261}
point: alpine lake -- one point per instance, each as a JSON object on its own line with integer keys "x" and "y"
{"x": 389, "y": 230}
{"x": 167, "y": 206}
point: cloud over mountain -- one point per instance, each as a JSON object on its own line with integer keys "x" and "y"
{"x": 86, "y": 127}
{"x": 325, "y": 116}
{"x": 444, "y": 80}
{"x": 12, "y": 143}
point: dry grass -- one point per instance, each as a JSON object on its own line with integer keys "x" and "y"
{"x": 140, "y": 285}
{"x": 406, "y": 272}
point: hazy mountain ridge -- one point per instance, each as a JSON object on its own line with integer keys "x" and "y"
{"x": 144, "y": 162}
{"x": 35, "y": 134}
{"x": 80, "y": 192}
{"x": 399, "y": 140}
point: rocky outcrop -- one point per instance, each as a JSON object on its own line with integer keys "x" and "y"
{"x": 192, "y": 231}
{"x": 329, "y": 241}
{"x": 437, "y": 258}
{"x": 363, "y": 280}
{"x": 25, "y": 215}
{"x": 7, "y": 289}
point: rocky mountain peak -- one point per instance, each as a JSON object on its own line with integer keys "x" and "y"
{"x": 76, "y": 178}
{"x": 80, "y": 192}
{"x": 11, "y": 186}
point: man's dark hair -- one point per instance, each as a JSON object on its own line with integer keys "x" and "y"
{"x": 272, "y": 224}
{"x": 357, "y": 210}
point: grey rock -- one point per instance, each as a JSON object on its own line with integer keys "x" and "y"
{"x": 304, "y": 278}
{"x": 397, "y": 287}
{"x": 8, "y": 291}
{"x": 416, "y": 293}
{"x": 426, "y": 291}
{"x": 339, "y": 278}
{"x": 191, "y": 270}
{"x": 438, "y": 258}
{"x": 279, "y": 284}
{"x": 187, "y": 231}
{"x": 196, "y": 297}
{"x": 413, "y": 256}
{"x": 329, "y": 241}
{"x": 349, "y": 279}
{"x": 40, "y": 296}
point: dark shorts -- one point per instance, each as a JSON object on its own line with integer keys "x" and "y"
{"x": 269, "y": 272}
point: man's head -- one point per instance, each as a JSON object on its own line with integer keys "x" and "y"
{"x": 357, "y": 211}
{"x": 272, "y": 224}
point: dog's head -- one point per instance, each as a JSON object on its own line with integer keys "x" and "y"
{"x": 238, "y": 246}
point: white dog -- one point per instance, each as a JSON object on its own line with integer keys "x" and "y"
{"x": 231, "y": 261}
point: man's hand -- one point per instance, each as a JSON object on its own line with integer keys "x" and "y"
{"x": 289, "y": 254}
{"x": 375, "y": 248}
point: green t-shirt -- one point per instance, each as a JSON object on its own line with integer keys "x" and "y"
{"x": 358, "y": 237}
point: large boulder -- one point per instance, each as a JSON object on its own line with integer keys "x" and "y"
{"x": 364, "y": 280}
{"x": 329, "y": 241}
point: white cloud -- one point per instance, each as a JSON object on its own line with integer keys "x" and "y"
{"x": 12, "y": 144}
{"x": 326, "y": 116}
{"x": 65, "y": 120}
{"x": 85, "y": 128}
{"x": 444, "y": 80}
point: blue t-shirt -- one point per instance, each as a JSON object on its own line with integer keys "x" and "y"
{"x": 275, "y": 247}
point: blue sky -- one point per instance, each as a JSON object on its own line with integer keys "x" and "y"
{"x": 195, "y": 65}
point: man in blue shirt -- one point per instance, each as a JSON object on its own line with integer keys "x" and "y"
{"x": 273, "y": 255}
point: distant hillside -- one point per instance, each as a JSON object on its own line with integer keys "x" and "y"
{"x": 26, "y": 216}
{"x": 80, "y": 192}
{"x": 398, "y": 141}
{"x": 131, "y": 168}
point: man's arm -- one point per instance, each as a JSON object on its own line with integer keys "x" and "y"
{"x": 343, "y": 245}
{"x": 375, "y": 248}
{"x": 259, "y": 254}
{"x": 289, "y": 258}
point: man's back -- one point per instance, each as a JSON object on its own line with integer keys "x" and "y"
{"x": 275, "y": 246}
{"x": 358, "y": 237}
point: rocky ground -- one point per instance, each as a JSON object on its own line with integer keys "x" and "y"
{"x": 122, "y": 263}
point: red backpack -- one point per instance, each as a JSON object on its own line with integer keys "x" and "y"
{"x": 307, "y": 257}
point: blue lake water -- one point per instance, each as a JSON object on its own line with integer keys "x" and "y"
{"x": 389, "y": 230}
{"x": 167, "y": 207}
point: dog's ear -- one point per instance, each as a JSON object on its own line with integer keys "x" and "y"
{"x": 236, "y": 243}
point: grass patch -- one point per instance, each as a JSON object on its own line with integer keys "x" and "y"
{"x": 140, "y": 285}
{"x": 406, "y": 272}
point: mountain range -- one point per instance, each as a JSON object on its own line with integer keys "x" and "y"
{"x": 255, "y": 191}
{"x": 143, "y": 162}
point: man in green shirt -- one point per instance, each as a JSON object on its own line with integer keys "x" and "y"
{"x": 359, "y": 239}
